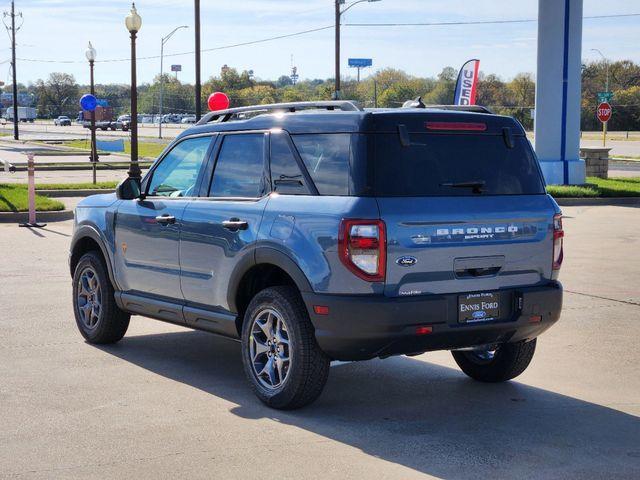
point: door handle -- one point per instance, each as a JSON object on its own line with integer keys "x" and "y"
{"x": 235, "y": 224}
{"x": 166, "y": 219}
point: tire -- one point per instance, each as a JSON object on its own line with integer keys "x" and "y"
{"x": 508, "y": 361}
{"x": 304, "y": 366}
{"x": 107, "y": 323}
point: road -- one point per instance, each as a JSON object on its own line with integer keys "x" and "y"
{"x": 170, "y": 403}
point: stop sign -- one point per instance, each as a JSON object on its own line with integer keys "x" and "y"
{"x": 604, "y": 112}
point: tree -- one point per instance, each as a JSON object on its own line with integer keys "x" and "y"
{"x": 522, "y": 92}
{"x": 177, "y": 98}
{"x": 284, "y": 81}
{"x": 492, "y": 91}
{"x": 58, "y": 95}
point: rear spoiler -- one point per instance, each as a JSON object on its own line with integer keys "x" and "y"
{"x": 418, "y": 103}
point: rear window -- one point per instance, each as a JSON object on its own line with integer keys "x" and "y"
{"x": 455, "y": 165}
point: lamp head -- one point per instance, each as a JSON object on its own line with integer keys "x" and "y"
{"x": 133, "y": 20}
{"x": 91, "y": 53}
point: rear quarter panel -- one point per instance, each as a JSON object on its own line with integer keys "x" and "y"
{"x": 306, "y": 229}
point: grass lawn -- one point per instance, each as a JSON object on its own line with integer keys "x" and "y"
{"x": 77, "y": 186}
{"x": 14, "y": 198}
{"x": 145, "y": 149}
{"x": 627, "y": 157}
{"x": 599, "y": 187}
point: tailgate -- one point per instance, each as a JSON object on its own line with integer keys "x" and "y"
{"x": 466, "y": 244}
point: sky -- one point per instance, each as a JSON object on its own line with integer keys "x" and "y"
{"x": 56, "y": 33}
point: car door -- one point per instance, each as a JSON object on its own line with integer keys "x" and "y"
{"x": 147, "y": 231}
{"x": 220, "y": 227}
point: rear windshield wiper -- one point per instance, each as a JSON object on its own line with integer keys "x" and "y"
{"x": 475, "y": 185}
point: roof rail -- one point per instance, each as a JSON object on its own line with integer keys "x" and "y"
{"x": 225, "y": 115}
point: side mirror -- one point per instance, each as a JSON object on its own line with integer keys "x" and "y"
{"x": 128, "y": 189}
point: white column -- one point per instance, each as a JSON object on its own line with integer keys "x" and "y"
{"x": 558, "y": 91}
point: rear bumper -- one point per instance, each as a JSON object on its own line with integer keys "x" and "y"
{"x": 364, "y": 327}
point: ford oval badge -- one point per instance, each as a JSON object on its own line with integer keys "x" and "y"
{"x": 407, "y": 261}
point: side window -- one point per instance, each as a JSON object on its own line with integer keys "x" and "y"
{"x": 177, "y": 173}
{"x": 286, "y": 176}
{"x": 239, "y": 170}
{"x": 327, "y": 158}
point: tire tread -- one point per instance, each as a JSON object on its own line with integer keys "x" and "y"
{"x": 114, "y": 322}
{"x": 511, "y": 360}
{"x": 313, "y": 375}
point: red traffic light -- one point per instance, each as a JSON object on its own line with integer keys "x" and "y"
{"x": 218, "y": 101}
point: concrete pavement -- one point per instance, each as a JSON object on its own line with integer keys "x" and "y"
{"x": 170, "y": 403}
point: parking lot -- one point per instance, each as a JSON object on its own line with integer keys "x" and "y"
{"x": 167, "y": 402}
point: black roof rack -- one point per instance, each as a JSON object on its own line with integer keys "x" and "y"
{"x": 226, "y": 115}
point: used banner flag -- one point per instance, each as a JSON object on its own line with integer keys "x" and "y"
{"x": 466, "y": 84}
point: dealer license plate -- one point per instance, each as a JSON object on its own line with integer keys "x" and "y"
{"x": 478, "y": 307}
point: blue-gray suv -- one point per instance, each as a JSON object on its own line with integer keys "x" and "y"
{"x": 313, "y": 232}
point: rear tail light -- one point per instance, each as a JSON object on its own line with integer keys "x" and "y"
{"x": 363, "y": 248}
{"x": 558, "y": 235}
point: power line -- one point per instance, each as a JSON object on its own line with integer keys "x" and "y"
{"x": 223, "y": 47}
{"x": 319, "y": 29}
{"x": 478, "y": 22}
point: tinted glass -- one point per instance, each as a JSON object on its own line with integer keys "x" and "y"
{"x": 437, "y": 165}
{"x": 240, "y": 167}
{"x": 286, "y": 176}
{"x": 177, "y": 173}
{"x": 327, "y": 158}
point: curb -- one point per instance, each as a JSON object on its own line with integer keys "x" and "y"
{"x": 73, "y": 193}
{"x": 23, "y": 217}
{"x": 588, "y": 201}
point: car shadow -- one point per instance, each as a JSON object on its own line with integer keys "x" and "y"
{"x": 423, "y": 416}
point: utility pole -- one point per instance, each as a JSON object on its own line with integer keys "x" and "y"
{"x": 336, "y": 94}
{"x": 198, "y": 80}
{"x": 16, "y": 133}
{"x": 375, "y": 93}
{"x": 339, "y": 13}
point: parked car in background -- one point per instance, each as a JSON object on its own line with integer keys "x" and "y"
{"x": 330, "y": 232}
{"x": 62, "y": 121}
{"x": 123, "y": 123}
{"x": 189, "y": 119}
{"x": 171, "y": 118}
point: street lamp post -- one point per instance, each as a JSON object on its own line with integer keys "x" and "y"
{"x": 133, "y": 21}
{"x": 164, "y": 40}
{"x": 198, "y": 86}
{"x": 339, "y": 13}
{"x": 91, "y": 56}
{"x": 606, "y": 64}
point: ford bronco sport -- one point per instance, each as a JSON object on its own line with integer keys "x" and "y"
{"x": 314, "y": 232}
